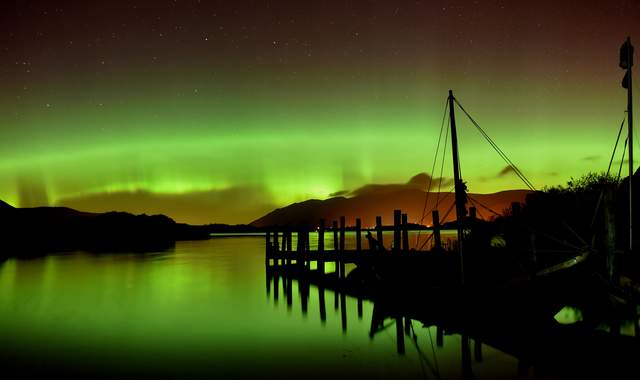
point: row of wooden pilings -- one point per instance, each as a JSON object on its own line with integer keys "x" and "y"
{"x": 280, "y": 251}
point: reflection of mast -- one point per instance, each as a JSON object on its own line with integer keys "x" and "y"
{"x": 626, "y": 62}
{"x": 457, "y": 181}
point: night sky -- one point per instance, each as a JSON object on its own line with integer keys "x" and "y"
{"x": 219, "y": 111}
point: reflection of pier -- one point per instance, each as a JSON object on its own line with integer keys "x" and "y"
{"x": 520, "y": 325}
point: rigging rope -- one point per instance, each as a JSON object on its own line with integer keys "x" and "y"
{"x": 495, "y": 146}
{"x": 613, "y": 154}
{"x": 624, "y": 150}
{"x": 443, "y": 218}
{"x": 483, "y": 206}
{"x": 435, "y": 160}
{"x": 616, "y": 145}
{"x": 510, "y": 163}
{"x": 446, "y": 139}
{"x": 433, "y": 167}
{"x": 473, "y": 203}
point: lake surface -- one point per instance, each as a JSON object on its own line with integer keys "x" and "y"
{"x": 201, "y": 310}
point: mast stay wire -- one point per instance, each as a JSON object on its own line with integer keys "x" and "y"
{"x": 433, "y": 168}
{"x": 510, "y": 163}
{"x": 495, "y": 146}
{"x": 435, "y": 159}
{"x": 613, "y": 154}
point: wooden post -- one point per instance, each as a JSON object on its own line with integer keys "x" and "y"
{"x": 267, "y": 256}
{"x": 472, "y": 213}
{"x": 437, "y": 242}
{"x": 342, "y": 237}
{"x": 284, "y": 240}
{"x": 379, "y": 233}
{"x": 407, "y": 326}
{"x": 300, "y": 240}
{"x": 321, "y": 248}
{"x": 304, "y": 288}
{"x": 323, "y": 307}
{"x": 276, "y": 286}
{"x": 396, "y": 230}
{"x": 335, "y": 247}
{"x": 405, "y": 233}
{"x": 321, "y": 236}
{"x": 399, "y": 336}
{"x": 360, "y": 307}
{"x": 343, "y": 312}
{"x": 342, "y": 227}
{"x": 269, "y": 279}
{"x": 307, "y": 244}
{"x": 358, "y": 235}
{"x": 439, "y": 336}
{"x": 276, "y": 244}
{"x": 289, "y": 281}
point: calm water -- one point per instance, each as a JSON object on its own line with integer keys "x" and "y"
{"x": 200, "y": 310}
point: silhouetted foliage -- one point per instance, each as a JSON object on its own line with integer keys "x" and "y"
{"x": 591, "y": 181}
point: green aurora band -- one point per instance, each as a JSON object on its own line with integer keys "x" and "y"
{"x": 207, "y": 136}
{"x": 268, "y": 126}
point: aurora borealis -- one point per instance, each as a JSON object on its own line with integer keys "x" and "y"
{"x": 213, "y": 111}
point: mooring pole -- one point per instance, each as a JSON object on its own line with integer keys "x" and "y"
{"x": 630, "y": 115}
{"x": 458, "y": 185}
{"x": 626, "y": 62}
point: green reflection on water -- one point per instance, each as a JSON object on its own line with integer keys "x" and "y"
{"x": 201, "y": 309}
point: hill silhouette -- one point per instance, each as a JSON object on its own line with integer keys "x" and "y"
{"x": 47, "y": 229}
{"x": 381, "y": 200}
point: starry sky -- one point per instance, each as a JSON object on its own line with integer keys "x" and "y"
{"x": 220, "y": 111}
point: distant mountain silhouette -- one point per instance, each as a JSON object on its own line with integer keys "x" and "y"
{"x": 46, "y": 229}
{"x": 382, "y": 201}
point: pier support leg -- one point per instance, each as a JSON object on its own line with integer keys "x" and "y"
{"x": 358, "y": 235}
{"x": 343, "y": 312}
{"x": 396, "y": 230}
{"x": 379, "y": 233}
{"x": 399, "y": 336}
{"x": 405, "y": 233}
{"x": 321, "y": 246}
{"x": 437, "y": 241}
{"x": 323, "y": 307}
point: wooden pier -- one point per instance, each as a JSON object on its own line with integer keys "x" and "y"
{"x": 280, "y": 252}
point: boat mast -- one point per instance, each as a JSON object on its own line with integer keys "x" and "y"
{"x": 626, "y": 62}
{"x": 458, "y": 185}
